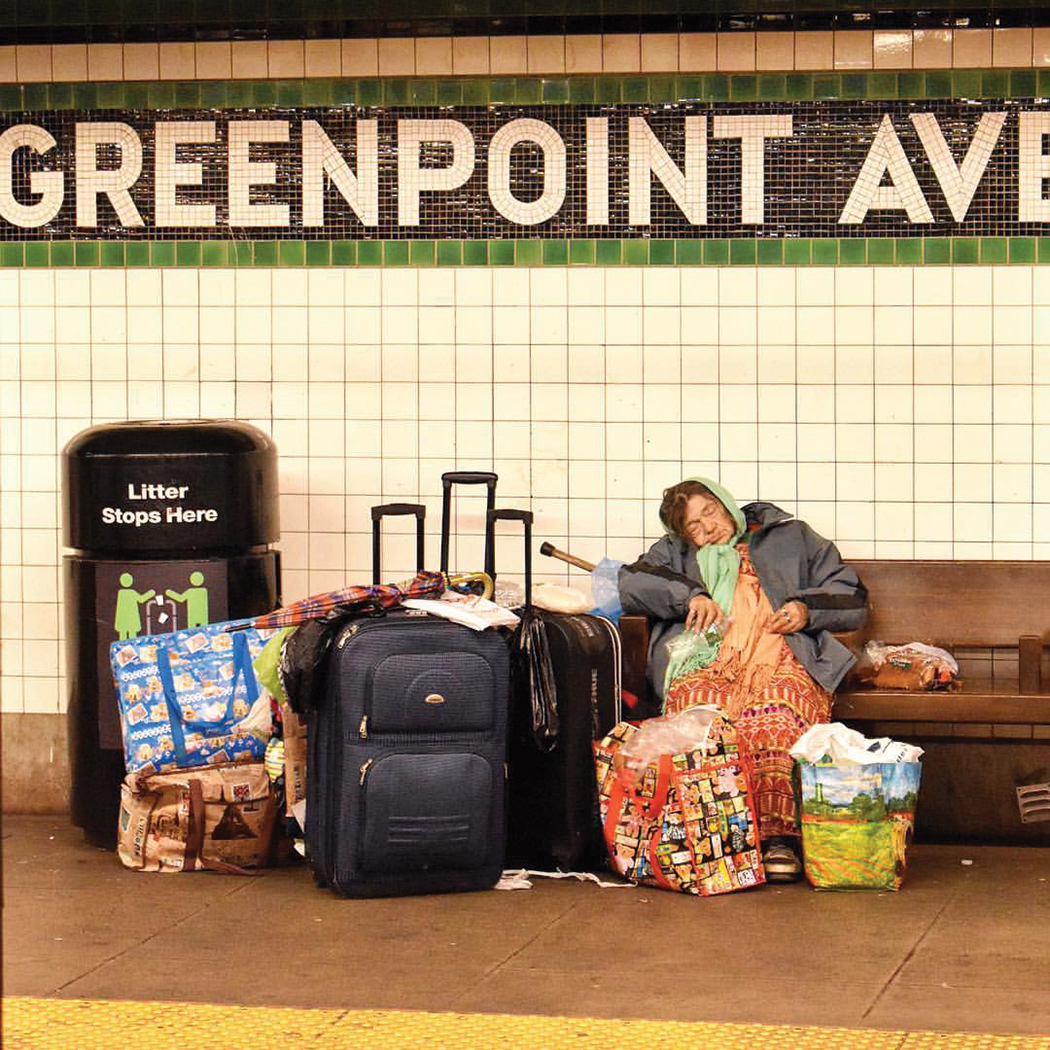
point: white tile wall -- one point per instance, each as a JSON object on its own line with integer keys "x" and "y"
{"x": 904, "y": 412}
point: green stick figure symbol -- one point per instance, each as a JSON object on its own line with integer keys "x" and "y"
{"x": 195, "y": 599}
{"x": 126, "y": 620}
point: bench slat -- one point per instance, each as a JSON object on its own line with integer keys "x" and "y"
{"x": 878, "y": 705}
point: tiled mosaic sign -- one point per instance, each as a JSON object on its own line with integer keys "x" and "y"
{"x": 681, "y": 171}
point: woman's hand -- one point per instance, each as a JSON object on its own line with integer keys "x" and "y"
{"x": 791, "y": 617}
{"x": 703, "y": 611}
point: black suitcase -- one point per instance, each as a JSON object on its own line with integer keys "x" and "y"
{"x": 552, "y": 819}
{"x": 406, "y": 792}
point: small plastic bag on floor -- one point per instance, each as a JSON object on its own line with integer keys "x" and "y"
{"x": 858, "y": 799}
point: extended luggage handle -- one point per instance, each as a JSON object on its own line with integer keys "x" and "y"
{"x": 397, "y": 510}
{"x": 526, "y": 519}
{"x": 468, "y": 477}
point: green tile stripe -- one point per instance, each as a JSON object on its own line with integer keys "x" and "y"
{"x": 875, "y": 85}
{"x": 714, "y": 251}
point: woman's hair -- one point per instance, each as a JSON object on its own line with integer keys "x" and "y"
{"x": 675, "y": 501}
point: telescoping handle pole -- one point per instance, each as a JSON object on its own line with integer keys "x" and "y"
{"x": 525, "y": 517}
{"x": 468, "y": 477}
{"x": 552, "y": 552}
{"x": 396, "y": 509}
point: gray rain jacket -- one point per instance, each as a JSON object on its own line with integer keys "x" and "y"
{"x": 792, "y": 562}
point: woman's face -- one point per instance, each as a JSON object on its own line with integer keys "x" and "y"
{"x": 707, "y": 521}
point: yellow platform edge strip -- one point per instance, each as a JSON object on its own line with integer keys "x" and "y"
{"x": 86, "y": 1024}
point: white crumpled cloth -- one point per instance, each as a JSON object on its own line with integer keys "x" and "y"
{"x": 842, "y": 744}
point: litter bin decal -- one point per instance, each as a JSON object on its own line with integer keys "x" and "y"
{"x": 138, "y": 598}
{"x": 170, "y": 524}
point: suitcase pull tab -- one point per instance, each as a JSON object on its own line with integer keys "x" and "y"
{"x": 434, "y": 698}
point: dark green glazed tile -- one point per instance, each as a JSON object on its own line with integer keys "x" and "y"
{"x": 369, "y": 253}
{"x": 476, "y": 92}
{"x": 911, "y": 85}
{"x": 422, "y": 253}
{"x": 501, "y": 90}
{"x": 852, "y": 251}
{"x": 995, "y": 83}
{"x": 449, "y": 93}
{"x": 36, "y": 253}
{"x": 136, "y": 253}
{"x": 11, "y": 254}
{"x": 61, "y": 253}
{"x": 964, "y": 250}
{"x": 772, "y": 87}
{"x": 716, "y": 87}
{"x": 882, "y": 85}
{"x": 1043, "y": 249}
{"x": 264, "y": 253}
{"x": 528, "y": 91}
{"x": 317, "y": 91}
{"x": 689, "y": 253}
{"x": 880, "y": 251}
{"x": 11, "y": 97}
{"x": 635, "y": 89}
{"x": 581, "y": 252}
{"x": 449, "y": 253}
{"x": 609, "y": 252}
{"x": 663, "y": 88}
{"x": 395, "y": 93}
{"x": 939, "y": 84}
{"x": 318, "y": 253}
{"x": 35, "y": 95}
{"x": 59, "y": 96}
{"x": 239, "y": 94}
{"x": 607, "y": 90}
{"x": 264, "y": 93}
{"x": 716, "y": 252}
{"x": 475, "y": 253}
{"x": 187, "y": 253}
{"x": 936, "y": 250}
{"x": 86, "y": 253}
{"x": 343, "y": 92}
{"x": 555, "y": 253}
{"x": 1022, "y": 83}
{"x": 827, "y": 85}
{"x": 395, "y": 253}
{"x": 369, "y": 92}
{"x": 344, "y": 253}
{"x": 909, "y": 251}
{"x": 1022, "y": 249}
{"x": 291, "y": 253}
{"x": 213, "y": 94}
{"x": 690, "y": 89}
{"x": 993, "y": 250}
{"x": 187, "y": 94}
{"x": 825, "y": 251}
{"x": 85, "y": 96}
{"x": 636, "y": 252}
{"x": 743, "y": 88}
{"x": 213, "y": 253}
{"x": 423, "y": 92}
{"x": 528, "y": 253}
{"x": 501, "y": 253}
{"x": 241, "y": 253}
{"x": 111, "y": 253}
{"x": 742, "y": 251}
{"x": 770, "y": 251}
{"x": 854, "y": 85}
{"x": 581, "y": 90}
{"x": 661, "y": 253}
{"x": 555, "y": 91}
{"x": 797, "y": 251}
{"x": 1044, "y": 83}
{"x": 798, "y": 86}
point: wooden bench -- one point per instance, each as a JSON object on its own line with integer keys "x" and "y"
{"x": 993, "y": 616}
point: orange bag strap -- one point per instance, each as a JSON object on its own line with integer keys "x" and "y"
{"x": 651, "y": 808}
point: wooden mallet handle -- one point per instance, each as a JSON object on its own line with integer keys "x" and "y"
{"x": 553, "y": 552}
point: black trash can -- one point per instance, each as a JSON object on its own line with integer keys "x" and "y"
{"x": 171, "y": 524}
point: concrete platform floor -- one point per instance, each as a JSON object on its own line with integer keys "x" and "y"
{"x": 961, "y": 948}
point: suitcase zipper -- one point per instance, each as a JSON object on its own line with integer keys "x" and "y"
{"x": 362, "y": 729}
{"x": 364, "y": 772}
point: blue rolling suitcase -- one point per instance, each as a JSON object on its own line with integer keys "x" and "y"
{"x": 407, "y": 782}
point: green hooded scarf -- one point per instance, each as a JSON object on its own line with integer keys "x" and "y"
{"x": 719, "y": 566}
